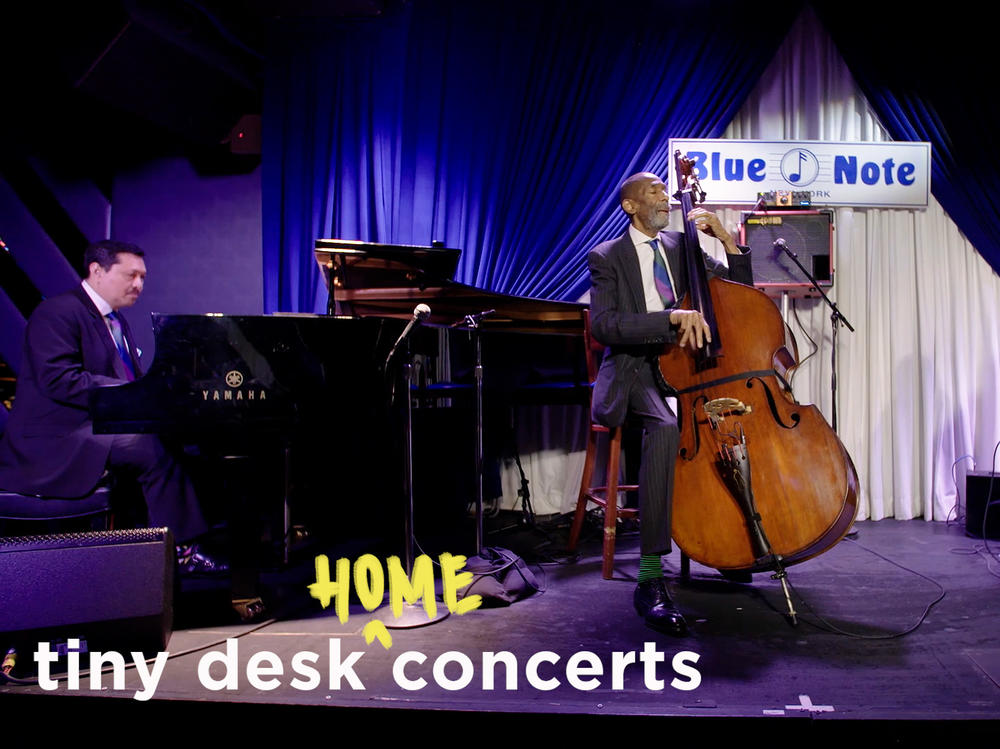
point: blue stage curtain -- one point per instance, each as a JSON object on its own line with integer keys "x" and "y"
{"x": 502, "y": 129}
{"x": 929, "y": 80}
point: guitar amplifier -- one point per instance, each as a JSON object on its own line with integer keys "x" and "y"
{"x": 111, "y": 588}
{"x": 809, "y": 234}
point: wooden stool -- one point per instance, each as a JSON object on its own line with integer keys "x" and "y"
{"x": 605, "y": 497}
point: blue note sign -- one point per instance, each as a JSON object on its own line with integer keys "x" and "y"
{"x": 733, "y": 172}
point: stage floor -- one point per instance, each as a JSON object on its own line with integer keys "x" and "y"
{"x": 743, "y": 659}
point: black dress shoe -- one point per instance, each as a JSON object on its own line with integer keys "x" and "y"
{"x": 191, "y": 560}
{"x": 654, "y": 605}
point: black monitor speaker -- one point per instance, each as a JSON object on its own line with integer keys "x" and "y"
{"x": 111, "y": 588}
{"x": 982, "y": 499}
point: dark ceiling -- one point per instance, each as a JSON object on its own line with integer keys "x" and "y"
{"x": 94, "y": 84}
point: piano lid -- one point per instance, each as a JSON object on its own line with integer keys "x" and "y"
{"x": 361, "y": 265}
{"x": 378, "y": 280}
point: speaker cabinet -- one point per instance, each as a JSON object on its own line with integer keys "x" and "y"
{"x": 977, "y": 497}
{"x": 111, "y": 588}
{"x": 809, "y": 234}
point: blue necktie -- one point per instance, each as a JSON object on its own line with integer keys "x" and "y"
{"x": 116, "y": 333}
{"x": 661, "y": 278}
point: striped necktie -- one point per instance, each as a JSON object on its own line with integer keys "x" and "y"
{"x": 661, "y": 278}
{"x": 116, "y": 332}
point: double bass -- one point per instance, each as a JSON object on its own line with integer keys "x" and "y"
{"x": 761, "y": 481}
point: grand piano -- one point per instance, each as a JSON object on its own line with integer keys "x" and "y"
{"x": 305, "y": 402}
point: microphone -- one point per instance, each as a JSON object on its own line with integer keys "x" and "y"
{"x": 420, "y": 313}
{"x": 779, "y": 244}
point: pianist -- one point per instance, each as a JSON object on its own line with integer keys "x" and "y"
{"x": 74, "y": 343}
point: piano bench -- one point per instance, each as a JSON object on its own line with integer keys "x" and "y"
{"x": 30, "y": 508}
{"x": 605, "y": 497}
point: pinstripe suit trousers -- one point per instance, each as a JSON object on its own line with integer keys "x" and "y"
{"x": 660, "y": 441}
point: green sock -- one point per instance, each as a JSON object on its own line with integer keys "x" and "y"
{"x": 649, "y": 567}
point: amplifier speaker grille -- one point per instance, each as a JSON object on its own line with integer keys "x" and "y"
{"x": 112, "y": 588}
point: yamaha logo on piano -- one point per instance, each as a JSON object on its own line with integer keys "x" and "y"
{"x": 234, "y": 379}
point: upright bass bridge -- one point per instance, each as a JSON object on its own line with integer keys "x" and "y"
{"x": 719, "y": 408}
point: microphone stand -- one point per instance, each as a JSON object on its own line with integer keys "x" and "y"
{"x": 487, "y": 560}
{"x": 412, "y": 615}
{"x": 472, "y": 323}
{"x": 836, "y": 318}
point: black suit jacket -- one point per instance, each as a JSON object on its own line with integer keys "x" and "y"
{"x": 49, "y": 447}
{"x": 620, "y": 321}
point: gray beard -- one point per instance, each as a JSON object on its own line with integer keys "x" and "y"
{"x": 654, "y": 221}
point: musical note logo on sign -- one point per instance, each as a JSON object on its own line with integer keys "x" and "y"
{"x": 799, "y": 167}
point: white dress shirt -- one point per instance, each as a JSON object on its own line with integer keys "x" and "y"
{"x": 105, "y": 309}
{"x": 645, "y": 255}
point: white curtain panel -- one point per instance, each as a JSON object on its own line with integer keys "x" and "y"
{"x": 917, "y": 381}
